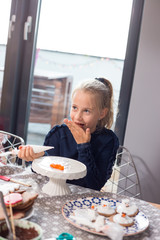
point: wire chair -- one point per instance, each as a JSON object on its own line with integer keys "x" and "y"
{"x": 124, "y": 179}
{"x": 9, "y": 142}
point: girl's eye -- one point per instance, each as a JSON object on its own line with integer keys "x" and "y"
{"x": 87, "y": 111}
{"x": 74, "y": 107}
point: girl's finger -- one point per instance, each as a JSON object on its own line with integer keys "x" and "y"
{"x": 88, "y": 134}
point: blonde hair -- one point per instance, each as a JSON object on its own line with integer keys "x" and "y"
{"x": 104, "y": 90}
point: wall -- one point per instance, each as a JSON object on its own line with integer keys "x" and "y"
{"x": 142, "y": 136}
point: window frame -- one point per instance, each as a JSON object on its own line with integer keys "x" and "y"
{"x": 129, "y": 69}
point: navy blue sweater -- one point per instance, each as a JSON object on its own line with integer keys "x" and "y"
{"x": 98, "y": 155}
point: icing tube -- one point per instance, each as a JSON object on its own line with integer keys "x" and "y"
{"x": 36, "y": 149}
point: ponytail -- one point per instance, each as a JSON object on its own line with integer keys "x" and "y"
{"x": 107, "y": 121}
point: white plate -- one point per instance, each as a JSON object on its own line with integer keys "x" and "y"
{"x": 73, "y": 169}
{"x": 57, "y": 186}
{"x": 141, "y": 222}
{"x": 28, "y": 214}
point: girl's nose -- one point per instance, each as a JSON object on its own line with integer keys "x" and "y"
{"x": 78, "y": 116}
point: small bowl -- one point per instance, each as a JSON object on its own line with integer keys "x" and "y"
{"x": 24, "y": 224}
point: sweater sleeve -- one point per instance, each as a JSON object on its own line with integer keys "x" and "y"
{"x": 99, "y": 164}
{"x": 52, "y": 139}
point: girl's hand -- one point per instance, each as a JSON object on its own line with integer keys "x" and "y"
{"x": 26, "y": 153}
{"x": 80, "y": 135}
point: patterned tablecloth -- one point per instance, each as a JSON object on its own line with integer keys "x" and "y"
{"x": 48, "y": 210}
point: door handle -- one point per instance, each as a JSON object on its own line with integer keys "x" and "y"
{"x": 27, "y": 27}
{"x": 11, "y": 25}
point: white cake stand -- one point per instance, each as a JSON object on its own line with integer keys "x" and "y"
{"x": 57, "y": 178}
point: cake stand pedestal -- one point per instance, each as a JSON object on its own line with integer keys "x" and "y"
{"x": 57, "y": 185}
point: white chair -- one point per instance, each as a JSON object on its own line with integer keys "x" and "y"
{"x": 124, "y": 179}
{"x": 9, "y": 142}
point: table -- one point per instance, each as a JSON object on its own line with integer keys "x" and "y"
{"x": 48, "y": 209}
{"x": 155, "y": 205}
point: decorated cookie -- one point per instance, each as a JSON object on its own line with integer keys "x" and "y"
{"x": 89, "y": 214}
{"x": 99, "y": 223}
{"x": 18, "y": 214}
{"x": 122, "y": 219}
{"x": 13, "y": 198}
{"x": 27, "y": 200}
{"x": 130, "y": 209}
{"x": 106, "y": 209}
{"x": 89, "y": 218}
{"x": 21, "y": 203}
{"x": 9, "y": 188}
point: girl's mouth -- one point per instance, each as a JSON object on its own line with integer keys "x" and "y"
{"x": 80, "y": 125}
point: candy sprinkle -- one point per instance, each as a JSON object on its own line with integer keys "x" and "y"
{"x": 57, "y": 166}
{"x": 123, "y": 214}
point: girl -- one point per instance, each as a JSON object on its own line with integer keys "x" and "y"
{"x": 87, "y": 136}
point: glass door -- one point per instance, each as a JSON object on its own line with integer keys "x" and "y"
{"x": 19, "y": 62}
{"x": 76, "y": 40}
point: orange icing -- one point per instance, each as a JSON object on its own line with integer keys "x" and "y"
{"x": 57, "y": 166}
{"x": 123, "y": 214}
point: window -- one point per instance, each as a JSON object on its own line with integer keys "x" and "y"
{"x": 62, "y": 60}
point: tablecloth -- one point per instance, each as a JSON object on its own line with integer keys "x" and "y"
{"x": 48, "y": 210}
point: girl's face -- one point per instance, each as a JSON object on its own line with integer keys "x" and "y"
{"x": 84, "y": 110}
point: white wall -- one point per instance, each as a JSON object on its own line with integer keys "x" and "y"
{"x": 142, "y": 136}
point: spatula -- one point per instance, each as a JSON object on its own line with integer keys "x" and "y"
{"x": 5, "y": 178}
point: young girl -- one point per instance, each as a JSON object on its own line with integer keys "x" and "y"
{"x": 87, "y": 136}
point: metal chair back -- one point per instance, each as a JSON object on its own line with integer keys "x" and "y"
{"x": 8, "y": 143}
{"x": 124, "y": 179}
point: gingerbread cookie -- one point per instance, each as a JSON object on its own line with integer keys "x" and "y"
{"x": 106, "y": 209}
{"x": 28, "y": 200}
{"x": 125, "y": 206}
{"x": 2, "y": 217}
{"x": 122, "y": 219}
{"x": 13, "y": 198}
{"x": 16, "y": 214}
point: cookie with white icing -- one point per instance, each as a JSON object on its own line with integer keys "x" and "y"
{"x": 89, "y": 214}
{"x": 89, "y": 218}
{"x": 99, "y": 223}
{"x": 28, "y": 199}
{"x": 13, "y": 198}
{"x": 125, "y": 206}
{"x": 9, "y": 188}
{"x": 106, "y": 209}
{"x": 122, "y": 219}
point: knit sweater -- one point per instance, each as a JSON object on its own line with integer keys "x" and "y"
{"x": 98, "y": 155}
